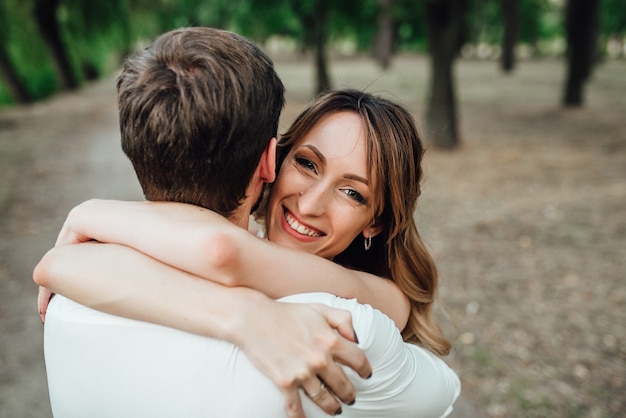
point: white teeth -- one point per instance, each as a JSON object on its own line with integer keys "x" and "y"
{"x": 301, "y": 229}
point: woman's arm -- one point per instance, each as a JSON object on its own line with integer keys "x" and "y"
{"x": 293, "y": 347}
{"x": 207, "y": 245}
{"x": 409, "y": 382}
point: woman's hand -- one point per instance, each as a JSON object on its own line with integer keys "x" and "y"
{"x": 43, "y": 299}
{"x": 294, "y": 345}
{"x": 302, "y": 346}
{"x": 81, "y": 224}
{"x": 68, "y": 235}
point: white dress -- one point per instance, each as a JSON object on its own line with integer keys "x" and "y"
{"x": 99, "y": 365}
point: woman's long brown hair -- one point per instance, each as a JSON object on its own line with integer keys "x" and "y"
{"x": 395, "y": 154}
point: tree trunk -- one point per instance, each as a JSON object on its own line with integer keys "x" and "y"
{"x": 445, "y": 27}
{"x": 383, "y": 42}
{"x": 314, "y": 19}
{"x": 581, "y": 26}
{"x": 45, "y": 15}
{"x": 319, "y": 38}
{"x": 16, "y": 88}
{"x": 510, "y": 12}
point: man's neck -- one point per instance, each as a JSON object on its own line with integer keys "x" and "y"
{"x": 241, "y": 217}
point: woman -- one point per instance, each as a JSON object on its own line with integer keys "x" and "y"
{"x": 346, "y": 191}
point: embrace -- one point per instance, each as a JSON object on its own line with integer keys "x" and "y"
{"x": 180, "y": 306}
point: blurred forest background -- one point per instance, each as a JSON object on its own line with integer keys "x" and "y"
{"x": 51, "y": 45}
{"x": 524, "y": 203}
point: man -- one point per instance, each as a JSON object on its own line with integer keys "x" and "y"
{"x": 181, "y": 151}
{"x": 199, "y": 113}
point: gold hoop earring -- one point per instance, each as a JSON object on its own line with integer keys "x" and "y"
{"x": 368, "y": 241}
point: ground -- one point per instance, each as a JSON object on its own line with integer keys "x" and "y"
{"x": 526, "y": 220}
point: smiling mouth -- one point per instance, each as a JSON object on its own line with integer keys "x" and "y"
{"x": 299, "y": 228}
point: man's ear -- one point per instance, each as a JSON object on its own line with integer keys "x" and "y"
{"x": 267, "y": 164}
{"x": 372, "y": 230}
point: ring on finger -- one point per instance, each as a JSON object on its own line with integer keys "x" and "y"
{"x": 319, "y": 392}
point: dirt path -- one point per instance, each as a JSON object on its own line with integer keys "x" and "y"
{"x": 68, "y": 151}
{"x": 527, "y": 221}
{"x": 55, "y": 155}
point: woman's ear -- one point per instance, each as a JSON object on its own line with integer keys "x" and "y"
{"x": 372, "y": 230}
{"x": 267, "y": 164}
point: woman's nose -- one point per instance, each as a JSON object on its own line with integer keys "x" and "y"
{"x": 313, "y": 200}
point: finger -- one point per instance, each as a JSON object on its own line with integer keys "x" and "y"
{"x": 344, "y": 349}
{"x": 293, "y": 405}
{"x": 340, "y": 320}
{"x": 338, "y": 384}
{"x": 319, "y": 393}
{"x": 42, "y": 312}
{"x": 349, "y": 354}
{"x": 346, "y": 352}
{"x": 43, "y": 298}
{"x": 62, "y": 236}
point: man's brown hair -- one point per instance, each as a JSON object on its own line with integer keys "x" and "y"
{"x": 197, "y": 109}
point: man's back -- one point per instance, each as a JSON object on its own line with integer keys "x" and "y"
{"x": 104, "y": 366}
{"x": 100, "y": 365}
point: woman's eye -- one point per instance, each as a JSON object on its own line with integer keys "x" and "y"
{"x": 305, "y": 163}
{"x": 356, "y": 196}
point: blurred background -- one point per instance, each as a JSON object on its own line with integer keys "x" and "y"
{"x": 522, "y": 104}
{"x": 47, "y": 46}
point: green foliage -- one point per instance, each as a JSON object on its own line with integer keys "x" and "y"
{"x": 5, "y": 97}
{"x": 356, "y": 20}
{"x": 613, "y": 18}
{"x": 612, "y": 27}
{"x": 550, "y": 16}
{"x": 98, "y": 33}
{"x": 485, "y": 22}
{"x": 260, "y": 19}
{"x": 539, "y": 19}
{"x": 410, "y": 19}
{"x": 26, "y": 50}
{"x": 348, "y": 19}
{"x": 95, "y": 33}
{"x": 530, "y": 20}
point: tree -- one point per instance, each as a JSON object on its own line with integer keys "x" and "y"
{"x": 313, "y": 16}
{"x": 385, "y": 35}
{"x": 581, "y": 27}
{"x": 92, "y": 31}
{"x": 13, "y": 82}
{"x": 46, "y": 17}
{"x": 305, "y": 21}
{"x": 510, "y": 12}
{"x": 445, "y": 28}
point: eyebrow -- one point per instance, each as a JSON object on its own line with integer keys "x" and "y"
{"x": 322, "y": 158}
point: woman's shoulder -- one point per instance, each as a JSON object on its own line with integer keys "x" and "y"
{"x": 370, "y": 324}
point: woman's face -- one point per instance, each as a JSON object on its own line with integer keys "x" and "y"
{"x": 322, "y": 198}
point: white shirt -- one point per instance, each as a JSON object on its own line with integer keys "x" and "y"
{"x": 100, "y": 365}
